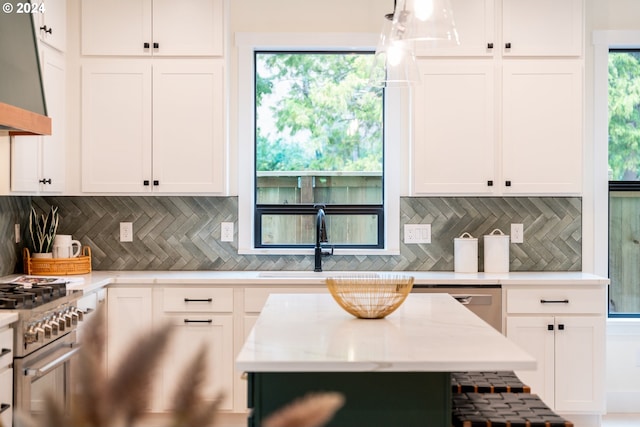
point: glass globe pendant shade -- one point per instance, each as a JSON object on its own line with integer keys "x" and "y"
{"x": 424, "y": 21}
{"x": 394, "y": 63}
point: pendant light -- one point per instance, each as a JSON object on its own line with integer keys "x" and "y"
{"x": 424, "y": 21}
{"x": 394, "y": 63}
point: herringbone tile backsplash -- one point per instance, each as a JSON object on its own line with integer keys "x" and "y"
{"x": 182, "y": 233}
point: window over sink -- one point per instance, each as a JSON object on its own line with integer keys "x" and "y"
{"x": 319, "y": 142}
{"x": 318, "y": 136}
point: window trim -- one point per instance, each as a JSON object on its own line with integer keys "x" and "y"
{"x": 247, "y": 44}
{"x": 597, "y": 220}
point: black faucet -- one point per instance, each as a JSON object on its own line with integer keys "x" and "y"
{"x": 321, "y": 237}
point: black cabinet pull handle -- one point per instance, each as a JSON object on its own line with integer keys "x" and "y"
{"x": 507, "y": 45}
{"x": 156, "y": 182}
{"x": 145, "y": 182}
{"x": 4, "y": 407}
{"x": 490, "y": 183}
{"x": 549, "y": 327}
{"x": 156, "y": 45}
{"x": 45, "y": 181}
{"x": 554, "y": 301}
{"x": 4, "y": 351}
{"x": 198, "y": 300}
{"x": 46, "y": 30}
{"x": 561, "y": 327}
{"x": 489, "y": 45}
{"x": 507, "y": 183}
{"x": 146, "y": 45}
{"x": 198, "y": 321}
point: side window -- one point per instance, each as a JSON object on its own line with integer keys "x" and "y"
{"x": 624, "y": 182}
{"x": 319, "y": 142}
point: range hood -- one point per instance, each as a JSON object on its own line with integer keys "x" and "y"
{"x": 18, "y": 121}
{"x": 23, "y": 109}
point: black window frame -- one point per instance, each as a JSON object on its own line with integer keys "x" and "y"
{"x": 311, "y": 209}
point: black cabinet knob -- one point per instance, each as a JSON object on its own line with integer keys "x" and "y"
{"x": 507, "y": 45}
{"x": 146, "y": 45}
{"x": 45, "y": 181}
{"x": 561, "y": 327}
{"x": 156, "y": 45}
{"x": 489, "y": 45}
{"x": 490, "y": 183}
{"x": 549, "y": 327}
{"x": 145, "y": 182}
{"x": 156, "y": 182}
{"x": 507, "y": 183}
{"x": 46, "y": 30}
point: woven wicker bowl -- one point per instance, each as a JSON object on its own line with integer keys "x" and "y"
{"x": 371, "y": 296}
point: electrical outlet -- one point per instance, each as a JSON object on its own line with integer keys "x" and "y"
{"x": 226, "y": 232}
{"x": 517, "y": 233}
{"x": 17, "y": 233}
{"x": 126, "y": 232}
{"x": 417, "y": 233}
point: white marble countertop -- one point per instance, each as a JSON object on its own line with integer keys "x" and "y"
{"x": 428, "y": 332}
{"x": 99, "y": 279}
{"x": 8, "y": 318}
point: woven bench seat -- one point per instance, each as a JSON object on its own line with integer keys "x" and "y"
{"x": 487, "y": 382}
{"x": 503, "y": 410}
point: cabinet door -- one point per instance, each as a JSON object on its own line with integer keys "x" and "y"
{"x": 38, "y": 163}
{"x": 188, "y": 126}
{"x": 116, "y": 27}
{"x": 191, "y": 333}
{"x": 6, "y": 396}
{"x": 454, "y": 135}
{"x": 52, "y": 28}
{"x": 542, "y": 127}
{"x": 536, "y": 336}
{"x": 543, "y": 27}
{"x": 129, "y": 316}
{"x": 122, "y": 27}
{"x": 188, "y": 27}
{"x": 580, "y": 349}
{"x": 116, "y": 126}
{"x": 475, "y": 24}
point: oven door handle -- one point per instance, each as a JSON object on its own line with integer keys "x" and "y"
{"x": 35, "y": 372}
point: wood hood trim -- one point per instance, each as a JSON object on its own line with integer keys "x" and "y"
{"x": 23, "y": 122}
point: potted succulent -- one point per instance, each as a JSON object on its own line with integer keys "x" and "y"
{"x": 42, "y": 230}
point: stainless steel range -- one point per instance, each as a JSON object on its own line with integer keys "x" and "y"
{"x": 44, "y": 343}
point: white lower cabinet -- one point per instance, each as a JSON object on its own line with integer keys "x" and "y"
{"x": 129, "y": 316}
{"x": 564, "y": 329}
{"x": 201, "y": 318}
{"x": 6, "y": 376}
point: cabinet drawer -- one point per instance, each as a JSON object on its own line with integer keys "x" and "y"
{"x": 198, "y": 300}
{"x": 555, "y": 300}
{"x": 254, "y": 298}
{"x": 6, "y": 347}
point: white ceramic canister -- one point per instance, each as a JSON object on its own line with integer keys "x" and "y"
{"x": 496, "y": 252}
{"x": 465, "y": 254}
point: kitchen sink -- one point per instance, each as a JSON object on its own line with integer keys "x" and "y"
{"x": 307, "y": 274}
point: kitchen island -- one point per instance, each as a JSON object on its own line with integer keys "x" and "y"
{"x": 392, "y": 371}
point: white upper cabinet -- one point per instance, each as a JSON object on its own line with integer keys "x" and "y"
{"x": 542, "y": 126}
{"x": 514, "y": 28}
{"x": 507, "y": 123}
{"x": 475, "y": 24}
{"x": 153, "y": 126}
{"x": 454, "y": 127}
{"x": 542, "y": 27}
{"x": 51, "y": 24}
{"x": 38, "y": 162}
{"x": 153, "y": 27}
